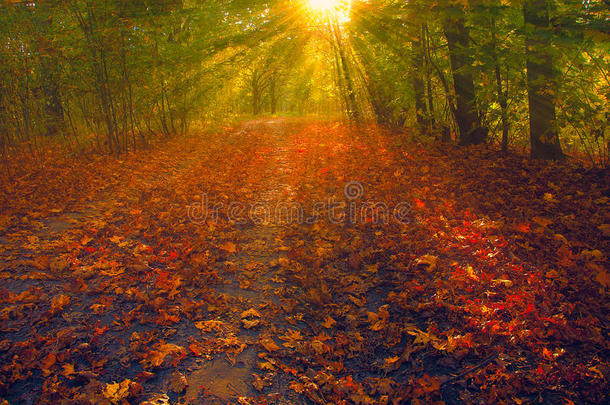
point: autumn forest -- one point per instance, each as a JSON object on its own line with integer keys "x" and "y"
{"x": 304, "y": 202}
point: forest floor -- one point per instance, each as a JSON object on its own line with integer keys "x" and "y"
{"x": 186, "y": 273}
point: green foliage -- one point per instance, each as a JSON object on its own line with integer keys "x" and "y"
{"x": 113, "y": 73}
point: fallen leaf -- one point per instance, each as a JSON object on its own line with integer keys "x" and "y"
{"x": 605, "y": 230}
{"x": 548, "y": 197}
{"x": 249, "y": 324}
{"x": 178, "y": 382}
{"x": 427, "y": 262}
{"x": 603, "y": 278}
{"x": 47, "y": 363}
{"x": 251, "y": 313}
{"x": 229, "y": 247}
{"x": 156, "y": 357}
{"x": 58, "y": 303}
{"x": 329, "y": 322}
{"x": 211, "y": 325}
{"x": 258, "y": 382}
{"x": 117, "y": 392}
{"x": 269, "y": 344}
{"x": 68, "y": 370}
{"x": 390, "y": 363}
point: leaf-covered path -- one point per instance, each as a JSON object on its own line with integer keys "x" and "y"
{"x": 227, "y": 272}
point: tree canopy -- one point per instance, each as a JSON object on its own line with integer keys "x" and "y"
{"x": 518, "y": 73}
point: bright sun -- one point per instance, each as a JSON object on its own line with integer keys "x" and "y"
{"x": 324, "y": 5}
{"x": 339, "y": 8}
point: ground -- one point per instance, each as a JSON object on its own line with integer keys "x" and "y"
{"x": 421, "y": 273}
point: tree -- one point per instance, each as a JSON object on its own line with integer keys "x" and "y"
{"x": 541, "y": 86}
{"x": 471, "y": 131}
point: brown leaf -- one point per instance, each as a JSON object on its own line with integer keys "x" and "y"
{"x": 258, "y": 382}
{"x": 178, "y": 382}
{"x": 41, "y": 263}
{"x": 603, "y": 278}
{"x": 355, "y": 261}
{"x": 269, "y": 344}
{"x": 155, "y": 358}
{"x": 427, "y": 262}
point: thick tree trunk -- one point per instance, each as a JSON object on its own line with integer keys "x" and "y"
{"x": 544, "y": 137}
{"x": 458, "y": 39}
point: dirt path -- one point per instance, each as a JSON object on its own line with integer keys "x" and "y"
{"x": 260, "y": 251}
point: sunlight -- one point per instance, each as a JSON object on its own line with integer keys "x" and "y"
{"x": 339, "y": 9}
{"x": 324, "y": 6}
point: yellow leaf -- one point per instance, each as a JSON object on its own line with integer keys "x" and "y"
{"x": 471, "y": 273}
{"x": 208, "y": 326}
{"x": 116, "y": 392}
{"x": 266, "y": 366}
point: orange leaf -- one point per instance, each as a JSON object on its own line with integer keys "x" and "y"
{"x": 229, "y": 247}
{"x": 47, "y": 363}
{"x": 59, "y": 303}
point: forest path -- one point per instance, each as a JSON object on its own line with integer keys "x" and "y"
{"x": 130, "y": 296}
{"x": 249, "y": 277}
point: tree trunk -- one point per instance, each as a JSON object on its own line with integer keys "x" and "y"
{"x": 458, "y": 39}
{"x": 544, "y": 137}
{"x": 53, "y": 108}
{"x": 417, "y": 61}
{"x": 430, "y": 122}
{"x": 502, "y": 94}
{"x": 273, "y": 94}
